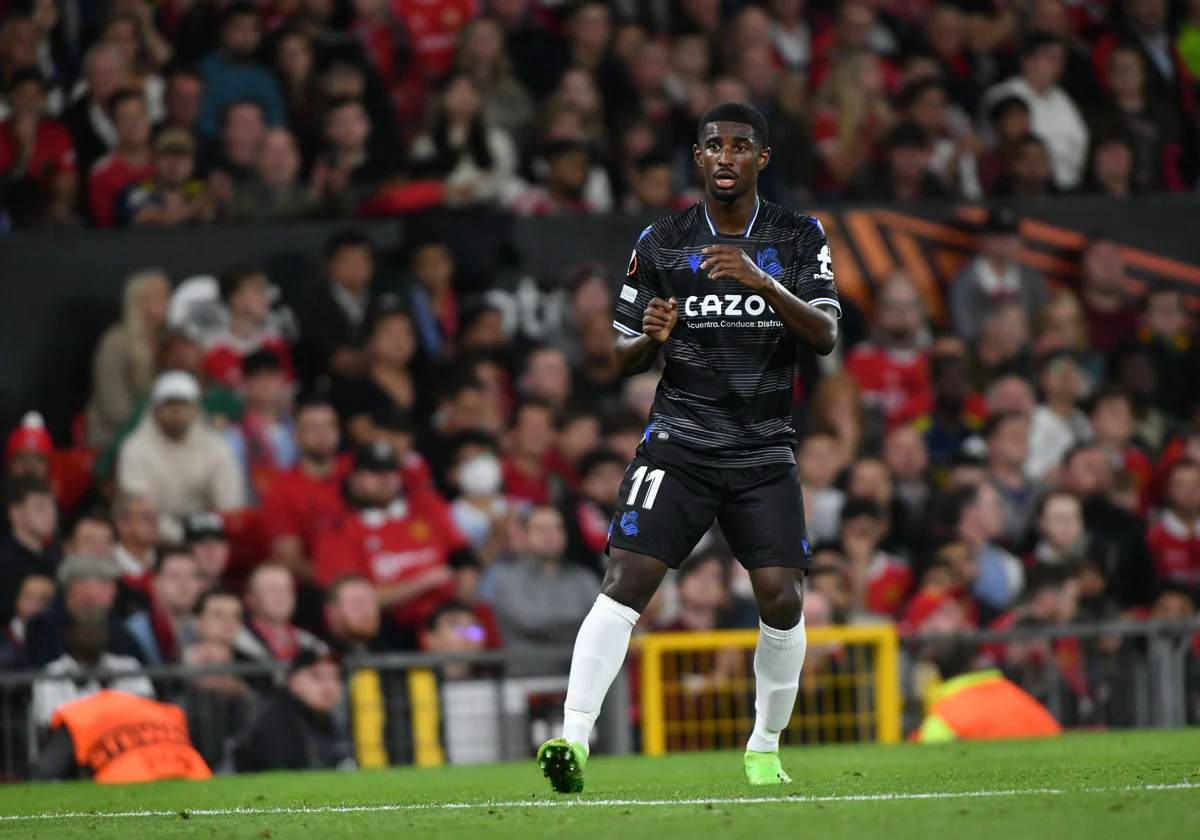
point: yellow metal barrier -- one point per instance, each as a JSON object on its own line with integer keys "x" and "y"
{"x": 697, "y": 689}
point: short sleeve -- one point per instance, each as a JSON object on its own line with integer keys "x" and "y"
{"x": 638, "y": 287}
{"x": 813, "y": 267}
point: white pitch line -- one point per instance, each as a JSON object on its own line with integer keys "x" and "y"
{"x": 593, "y": 803}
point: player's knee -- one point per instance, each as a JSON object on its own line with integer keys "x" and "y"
{"x": 781, "y": 607}
{"x": 632, "y": 579}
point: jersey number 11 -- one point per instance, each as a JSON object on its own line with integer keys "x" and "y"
{"x": 653, "y": 480}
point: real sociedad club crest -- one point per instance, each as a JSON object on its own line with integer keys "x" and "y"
{"x": 768, "y": 261}
{"x": 629, "y": 523}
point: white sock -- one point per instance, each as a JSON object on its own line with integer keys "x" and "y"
{"x": 600, "y": 649}
{"x": 778, "y": 658}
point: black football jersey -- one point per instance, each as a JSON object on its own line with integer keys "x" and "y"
{"x": 726, "y": 391}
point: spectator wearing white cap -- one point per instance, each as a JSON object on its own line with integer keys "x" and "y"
{"x": 177, "y": 460}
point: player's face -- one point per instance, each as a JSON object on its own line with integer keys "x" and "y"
{"x": 731, "y": 159}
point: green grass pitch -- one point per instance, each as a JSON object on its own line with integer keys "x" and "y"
{"x": 1132, "y": 786}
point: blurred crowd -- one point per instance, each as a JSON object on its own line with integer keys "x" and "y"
{"x": 386, "y": 465}
{"x": 190, "y": 112}
{"x": 386, "y": 468}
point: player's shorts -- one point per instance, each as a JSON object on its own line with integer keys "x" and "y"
{"x": 666, "y": 504}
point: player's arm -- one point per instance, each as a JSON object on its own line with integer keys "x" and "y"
{"x": 813, "y": 323}
{"x": 643, "y": 319}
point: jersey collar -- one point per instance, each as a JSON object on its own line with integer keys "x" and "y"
{"x": 749, "y": 227}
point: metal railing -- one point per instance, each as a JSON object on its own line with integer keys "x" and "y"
{"x": 428, "y": 709}
{"x": 423, "y": 709}
{"x": 1109, "y": 675}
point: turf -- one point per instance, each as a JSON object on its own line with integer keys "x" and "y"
{"x": 1094, "y": 786}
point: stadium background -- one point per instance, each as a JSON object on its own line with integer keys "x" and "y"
{"x": 525, "y": 252}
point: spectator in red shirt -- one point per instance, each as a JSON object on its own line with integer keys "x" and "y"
{"x": 1112, "y": 317}
{"x": 269, "y": 634}
{"x": 433, "y": 27}
{"x": 530, "y": 437}
{"x": 403, "y": 540}
{"x": 263, "y": 439}
{"x": 1112, "y": 428}
{"x": 578, "y": 433}
{"x": 882, "y": 582}
{"x": 245, "y": 293}
{"x": 588, "y": 514}
{"x": 1174, "y": 540}
{"x": 37, "y": 157}
{"x": 307, "y": 500}
{"x": 129, "y": 163}
{"x": 852, "y": 116}
{"x": 893, "y": 368}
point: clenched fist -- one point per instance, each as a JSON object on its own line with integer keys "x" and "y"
{"x": 660, "y": 318}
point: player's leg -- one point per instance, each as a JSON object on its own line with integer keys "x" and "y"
{"x": 660, "y": 517}
{"x": 603, "y": 640}
{"x": 763, "y": 520}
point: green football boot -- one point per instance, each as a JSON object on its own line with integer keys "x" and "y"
{"x": 562, "y": 762}
{"x": 763, "y": 769}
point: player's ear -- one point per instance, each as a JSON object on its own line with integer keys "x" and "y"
{"x": 764, "y": 156}
{"x": 696, "y": 154}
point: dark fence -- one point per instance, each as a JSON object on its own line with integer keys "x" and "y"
{"x": 60, "y": 292}
{"x": 427, "y": 710}
{"x": 1114, "y": 675}
{"x": 397, "y": 709}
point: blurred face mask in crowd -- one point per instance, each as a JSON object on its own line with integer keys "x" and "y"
{"x": 480, "y": 476}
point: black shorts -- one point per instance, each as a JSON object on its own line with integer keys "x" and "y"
{"x": 666, "y": 504}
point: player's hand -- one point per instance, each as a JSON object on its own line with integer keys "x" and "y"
{"x": 660, "y": 318}
{"x": 728, "y": 261}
